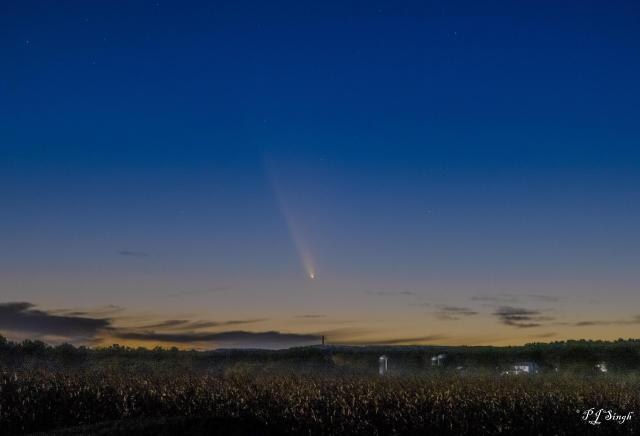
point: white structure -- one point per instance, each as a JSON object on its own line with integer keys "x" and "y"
{"x": 438, "y": 360}
{"x": 383, "y": 365}
{"x": 524, "y": 368}
{"x": 602, "y": 367}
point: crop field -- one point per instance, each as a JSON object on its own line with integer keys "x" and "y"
{"x": 109, "y": 402}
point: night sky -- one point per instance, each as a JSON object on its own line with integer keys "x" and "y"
{"x": 257, "y": 174}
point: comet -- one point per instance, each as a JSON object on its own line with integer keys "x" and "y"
{"x": 297, "y": 236}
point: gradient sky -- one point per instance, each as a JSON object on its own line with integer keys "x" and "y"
{"x": 173, "y": 173}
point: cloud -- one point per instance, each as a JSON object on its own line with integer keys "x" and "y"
{"x": 411, "y": 340}
{"x": 98, "y": 312}
{"x": 544, "y": 298}
{"x": 520, "y": 317}
{"x": 242, "y": 321}
{"x": 512, "y": 298}
{"x": 497, "y": 298}
{"x": 170, "y": 323}
{"x": 236, "y": 338}
{"x": 133, "y": 253}
{"x": 183, "y": 324}
{"x": 590, "y": 323}
{"x": 394, "y": 341}
{"x": 454, "y": 312}
{"x": 311, "y": 316}
{"x": 634, "y": 320}
{"x": 22, "y": 317}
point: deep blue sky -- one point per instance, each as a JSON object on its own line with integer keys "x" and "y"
{"x": 440, "y": 149}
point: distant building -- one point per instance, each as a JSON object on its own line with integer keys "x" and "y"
{"x": 383, "y": 365}
{"x": 523, "y": 368}
{"x": 438, "y": 360}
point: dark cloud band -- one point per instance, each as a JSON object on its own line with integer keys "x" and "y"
{"x": 520, "y": 317}
{"x": 22, "y": 317}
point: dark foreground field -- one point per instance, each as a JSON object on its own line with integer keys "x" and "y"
{"x": 103, "y": 402}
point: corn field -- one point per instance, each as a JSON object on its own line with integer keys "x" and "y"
{"x": 89, "y": 402}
